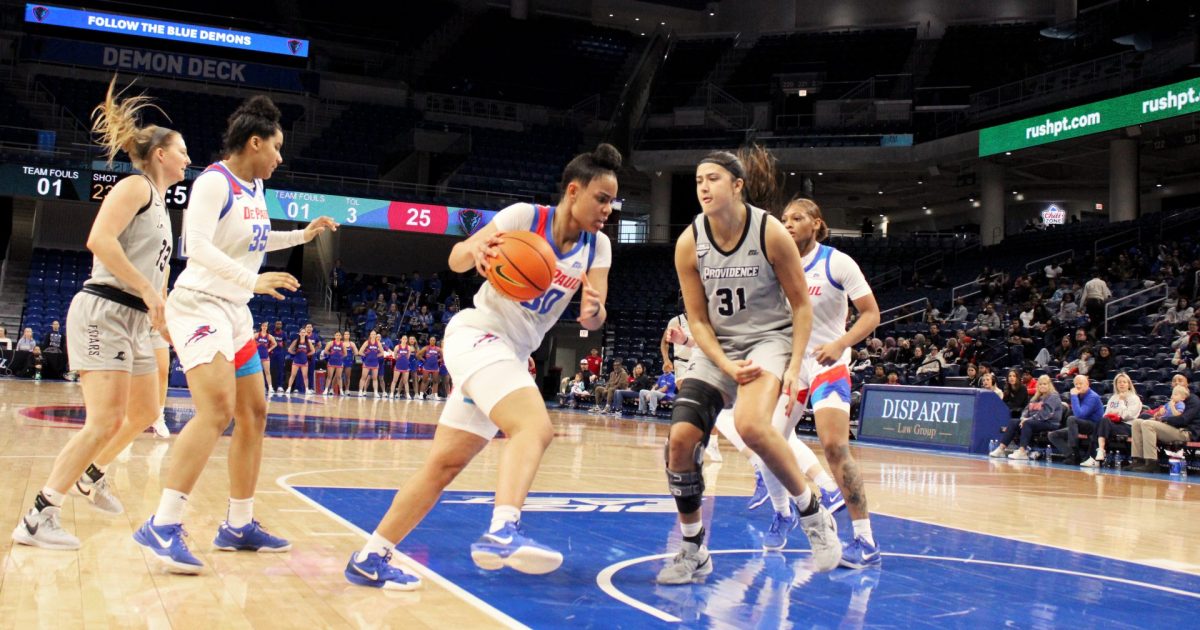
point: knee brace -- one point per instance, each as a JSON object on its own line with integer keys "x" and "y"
{"x": 687, "y": 487}
{"x": 697, "y": 404}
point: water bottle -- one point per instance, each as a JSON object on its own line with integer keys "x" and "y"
{"x": 1048, "y": 452}
{"x": 993, "y": 444}
{"x": 37, "y": 375}
{"x": 1177, "y": 465}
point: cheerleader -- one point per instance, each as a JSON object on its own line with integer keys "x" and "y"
{"x": 430, "y": 358}
{"x": 402, "y": 368}
{"x": 371, "y": 351}
{"x": 335, "y": 353}
{"x": 266, "y": 345}
{"x": 300, "y": 350}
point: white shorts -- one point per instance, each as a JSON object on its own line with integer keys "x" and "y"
{"x": 203, "y": 325}
{"x": 825, "y": 386}
{"x": 485, "y": 369}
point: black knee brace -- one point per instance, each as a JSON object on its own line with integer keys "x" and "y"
{"x": 687, "y": 487}
{"x": 697, "y": 404}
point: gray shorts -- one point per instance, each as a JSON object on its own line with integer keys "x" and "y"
{"x": 105, "y": 336}
{"x": 772, "y": 354}
{"x": 157, "y": 341}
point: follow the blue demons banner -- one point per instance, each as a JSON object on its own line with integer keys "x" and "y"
{"x": 143, "y": 61}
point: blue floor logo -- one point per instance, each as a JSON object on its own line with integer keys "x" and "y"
{"x": 615, "y": 544}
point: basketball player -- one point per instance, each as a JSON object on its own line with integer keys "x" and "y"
{"x": 487, "y": 351}
{"x": 302, "y": 347}
{"x": 430, "y": 358}
{"x": 335, "y": 355}
{"x": 371, "y": 351}
{"x": 833, "y": 278}
{"x": 266, "y": 345}
{"x": 109, "y": 320}
{"x": 739, "y": 270}
{"x": 403, "y": 366}
{"x": 226, "y": 235}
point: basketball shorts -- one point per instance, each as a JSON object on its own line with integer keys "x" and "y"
{"x": 485, "y": 369}
{"x": 203, "y": 326}
{"x": 772, "y": 354}
{"x": 825, "y": 386}
{"x": 157, "y": 341}
{"x": 103, "y": 335}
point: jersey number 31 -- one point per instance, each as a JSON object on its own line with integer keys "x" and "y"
{"x": 727, "y": 306}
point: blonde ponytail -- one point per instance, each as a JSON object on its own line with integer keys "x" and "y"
{"x": 115, "y": 123}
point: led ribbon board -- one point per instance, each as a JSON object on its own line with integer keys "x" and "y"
{"x": 116, "y": 24}
{"x": 1177, "y": 99}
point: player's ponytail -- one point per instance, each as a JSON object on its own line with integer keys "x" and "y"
{"x": 585, "y": 167}
{"x": 257, "y": 116}
{"x": 810, "y": 207}
{"x": 758, "y": 170}
{"x": 115, "y": 123}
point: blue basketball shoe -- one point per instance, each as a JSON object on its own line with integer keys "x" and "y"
{"x": 510, "y": 547}
{"x": 833, "y": 501}
{"x": 860, "y": 554}
{"x": 760, "y": 495}
{"x": 776, "y": 537}
{"x": 250, "y": 537}
{"x": 377, "y": 571}
{"x": 167, "y": 542}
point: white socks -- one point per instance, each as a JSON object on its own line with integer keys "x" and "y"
{"x": 241, "y": 512}
{"x": 54, "y": 497}
{"x": 377, "y": 545}
{"x": 862, "y": 529}
{"x": 691, "y": 529}
{"x": 502, "y": 515}
{"x": 170, "y": 508}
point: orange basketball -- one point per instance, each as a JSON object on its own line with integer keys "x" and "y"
{"x": 525, "y": 267}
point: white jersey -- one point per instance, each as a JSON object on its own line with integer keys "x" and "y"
{"x": 682, "y": 352}
{"x": 224, "y": 262}
{"x": 524, "y": 324}
{"x": 834, "y": 280}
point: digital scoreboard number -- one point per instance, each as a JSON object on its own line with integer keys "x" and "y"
{"x": 103, "y": 182}
{"x": 47, "y": 182}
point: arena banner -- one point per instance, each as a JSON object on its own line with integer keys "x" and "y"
{"x": 180, "y": 32}
{"x": 1177, "y": 99}
{"x": 144, "y": 61}
{"x": 945, "y": 418}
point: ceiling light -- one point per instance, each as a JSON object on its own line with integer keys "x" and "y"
{"x": 711, "y": 13}
{"x": 610, "y": 15}
{"x": 928, "y": 211}
{"x": 792, "y": 173}
{"x": 920, "y": 182}
{"x": 637, "y": 19}
{"x": 1020, "y": 197}
{"x": 880, "y": 192}
{"x": 1008, "y": 153}
{"x": 819, "y": 173}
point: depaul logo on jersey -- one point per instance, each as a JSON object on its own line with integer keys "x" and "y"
{"x": 653, "y": 505}
{"x": 201, "y": 333}
{"x": 565, "y": 281}
{"x": 721, "y": 273}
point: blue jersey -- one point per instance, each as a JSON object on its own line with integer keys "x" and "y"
{"x": 404, "y": 359}
{"x": 371, "y": 355}
{"x": 337, "y": 354}
{"x": 433, "y": 356}
{"x": 264, "y": 344}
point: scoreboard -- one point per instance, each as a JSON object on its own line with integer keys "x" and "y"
{"x": 69, "y": 183}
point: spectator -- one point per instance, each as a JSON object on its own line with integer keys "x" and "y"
{"x": 1187, "y": 357}
{"x": 1178, "y": 314}
{"x": 932, "y": 315}
{"x": 893, "y": 378}
{"x": 5, "y": 342}
{"x": 918, "y": 357}
{"x": 618, "y": 379}
{"x": 34, "y": 365}
{"x": 1068, "y": 311}
{"x": 54, "y": 351}
{"x": 1102, "y": 366}
{"x": 1095, "y": 294}
{"x": 1086, "y": 412}
{"x": 1042, "y": 414}
{"x": 862, "y": 363}
{"x": 1191, "y": 336}
{"x": 435, "y": 285}
{"x": 879, "y": 377}
{"x": 1016, "y": 395}
{"x": 935, "y": 336}
{"x": 393, "y": 320}
{"x": 416, "y": 285}
{"x": 988, "y": 382}
{"x": 641, "y": 380}
{"x": 988, "y": 317}
{"x": 1082, "y": 365}
{"x": 26, "y": 343}
{"x": 1122, "y": 409}
{"x": 972, "y": 375}
{"x": 664, "y": 389}
{"x": 1053, "y": 271}
{"x": 903, "y": 353}
{"x": 1176, "y": 421}
{"x": 959, "y": 314}
{"x": 575, "y": 393}
{"x": 594, "y": 361}
{"x": 1028, "y": 315}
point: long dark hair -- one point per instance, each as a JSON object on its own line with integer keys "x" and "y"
{"x": 759, "y": 172}
{"x": 257, "y": 116}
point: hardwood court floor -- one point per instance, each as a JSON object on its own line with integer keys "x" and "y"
{"x": 354, "y": 443}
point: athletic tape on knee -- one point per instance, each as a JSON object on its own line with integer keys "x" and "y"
{"x": 697, "y": 404}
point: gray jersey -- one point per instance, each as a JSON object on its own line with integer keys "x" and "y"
{"x": 745, "y": 302}
{"x": 146, "y": 242}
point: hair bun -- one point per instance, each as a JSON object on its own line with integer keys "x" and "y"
{"x": 260, "y": 106}
{"x": 607, "y": 156}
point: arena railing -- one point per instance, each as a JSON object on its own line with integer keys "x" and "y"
{"x": 927, "y": 261}
{"x": 1115, "y": 240}
{"x": 896, "y": 309}
{"x": 1108, "y": 307}
{"x": 895, "y": 275}
{"x": 954, "y": 293}
{"x": 1055, "y": 257}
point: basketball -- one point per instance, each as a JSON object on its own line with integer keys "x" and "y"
{"x": 525, "y": 267}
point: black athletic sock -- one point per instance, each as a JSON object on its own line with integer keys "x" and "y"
{"x": 94, "y": 473}
{"x": 814, "y": 506}
{"x": 41, "y": 502}
{"x": 698, "y": 539}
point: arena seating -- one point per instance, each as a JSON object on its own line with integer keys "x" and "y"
{"x": 688, "y": 64}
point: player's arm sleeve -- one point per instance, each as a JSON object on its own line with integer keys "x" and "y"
{"x": 518, "y": 216}
{"x": 603, "y": 258}
{"x": 284, "y": 239}
{"x": 850, "y": 276}
{"x": 209, "y": 195}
